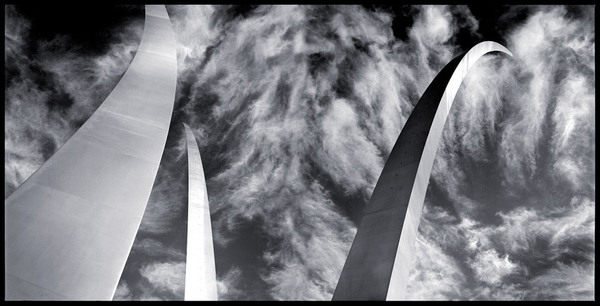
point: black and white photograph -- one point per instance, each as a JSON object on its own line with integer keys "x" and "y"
{"x": 299, "y": 152}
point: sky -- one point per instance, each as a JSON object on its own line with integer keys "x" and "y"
{"x": 295, "y": 110}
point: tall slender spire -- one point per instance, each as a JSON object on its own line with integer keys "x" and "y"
{"x": 379, "y": 260}
{"x": 69, "y": 228}
{"x": 200, "y": 272}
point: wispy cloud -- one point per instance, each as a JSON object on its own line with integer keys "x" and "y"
{"x": 167, "y": 276}
{"x": 155, "y": 248}
{"x": 526, "y": 125}
{"x": 306, "y": 93}
{"x": 284, "y": 88}
{"x": 51, "y": 90}
{"x": 228, "y": 285}
{"x": 508, "y": 261}
{"x": 489, "y": 267}
{"x": 565, "y": 282}
{"x": 435, "y": 275}
{"x": 298, "y": 104}
{"x": 296, "y": 108}
{"x": 122, "y": 293}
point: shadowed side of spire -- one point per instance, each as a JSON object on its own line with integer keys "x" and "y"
{"x": 379, "y": 260}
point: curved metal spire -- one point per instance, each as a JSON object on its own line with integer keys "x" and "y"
{"x": 379, "y": 260}
{"x": 69, "y": 228}
{"x": 200, "y": 272}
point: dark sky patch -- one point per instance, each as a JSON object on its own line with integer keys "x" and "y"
{"x": 318, "y": 63}
{"x": 227, "y": 14}
{"x": 90, "y": 27}
{"x": 436, "y": 196}
{"x": 346, "y": 74}
{"x": 249, "y": 237}
{"x": 360, "y": 45}
{"x": 59, "y": 101}
{"x": 352, "y": 204}
{"x": 283, "y": 92}
{"x": 495, "y": 19}
{"x": 403, "y": 17}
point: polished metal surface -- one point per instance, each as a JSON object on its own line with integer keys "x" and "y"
{"x": 200, "y": 272}
{"x": 69, "y": 228}
{"x": 379, "y": 260}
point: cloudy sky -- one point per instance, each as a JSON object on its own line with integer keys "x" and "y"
{"x": 296, "y": 108}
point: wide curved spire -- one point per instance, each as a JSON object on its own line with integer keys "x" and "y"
{"x": 69, "y": 228}
{"x": 379, "y": 260}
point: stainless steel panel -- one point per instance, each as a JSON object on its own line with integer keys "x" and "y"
{"x": 200, "y": 272}
{"x": 70, "y": 226}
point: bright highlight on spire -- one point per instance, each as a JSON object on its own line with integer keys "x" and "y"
{"x": 200, "y": 272}
{"x": 70, "y": 227}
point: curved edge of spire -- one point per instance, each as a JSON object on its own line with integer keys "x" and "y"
{"x": 406, "y": 246}
{"x": 200, "y": 270}
{"x": 70, "y": 226}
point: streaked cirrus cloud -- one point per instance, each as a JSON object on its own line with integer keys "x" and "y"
{"x": 295, "y": 109}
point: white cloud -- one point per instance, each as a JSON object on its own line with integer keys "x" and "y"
{"x": 227, "y": 285}
{"x": 122, "y": 293}
{"x": 310, "y": 259}
{"x": 521, "y": 227}
{"x": 192, "y": 25}
{"x": 16, "y": 32}
{"x": 25, "y": 133}
{"x": 432, "y": 36}
{"x": 574, "y": 143}
{"x": 542, "y": 48}
{"x": 167, "y": 276}
{"x": 490, "y": 267}
{"x": 538, "y": 107}
{"x": 156, "y": 248}
{"x": 545, "y": 90}
{"x": 24, "y": 113}
{"x": 434, "y": 275}
{"x": 284, "y": 113}
{"x": 494, "y": 254}
{"x": 277, "y": 120}
{"x": 361, "y": 164}
{"x": 272, "y": 108}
